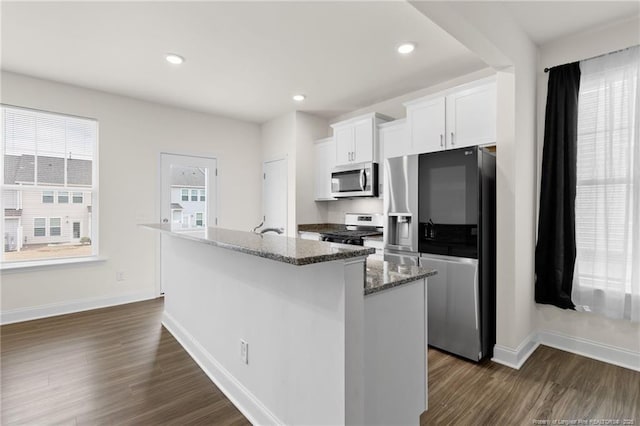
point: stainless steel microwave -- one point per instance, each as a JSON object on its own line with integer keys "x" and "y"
{"x": 357, "y": 180}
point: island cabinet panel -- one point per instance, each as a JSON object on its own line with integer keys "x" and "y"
{"x": 303, "y": 326}
{"x": 395, "y": 355}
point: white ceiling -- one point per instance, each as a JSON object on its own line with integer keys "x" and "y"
{"x": 246, "y": 59}
{"x": 545, "y": 21}
{"x": 243, "y": 59}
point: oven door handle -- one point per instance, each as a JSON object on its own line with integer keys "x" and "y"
{"x": 363, "y": 179}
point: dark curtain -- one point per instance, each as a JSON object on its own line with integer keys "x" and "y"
{"x": 556, "y": 247}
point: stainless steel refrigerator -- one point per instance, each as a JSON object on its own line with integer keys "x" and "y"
{"x": 440, "y": 211}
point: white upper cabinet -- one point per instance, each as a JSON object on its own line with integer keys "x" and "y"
{"x": 455, "y": 119}
{"x": 427, "y": 125}
{"x": 344, "y": 144}
{"x": 324, "y": 155}
{"x": 394, "y": 140}
{"x": 356, "y": 140}
{"x": 471, "y": 116}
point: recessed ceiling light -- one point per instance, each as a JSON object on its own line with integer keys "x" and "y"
{"x": 299, "y": 98}
{"x": 172, "y": 58}
{"x": 405, "y": 48}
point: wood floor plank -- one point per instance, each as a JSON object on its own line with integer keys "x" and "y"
{"x": 119, "y": 366}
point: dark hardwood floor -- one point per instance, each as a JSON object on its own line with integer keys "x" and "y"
{"x": 119, "y": 366}
{"x": 108, "y": 366}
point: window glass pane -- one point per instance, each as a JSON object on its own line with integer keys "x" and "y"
{"x": 35, "y": 231}
{"x": 77, "y": 197}
{"x": 199, "y": 221}
{"x": 202, "y": 195}
{"x": 47, "y": 196}
{"x": 194, "y": 195}
{"x": 19, "y": 169}
{"x": 79, "y": 172}
{"x": 63, "y": 197}
{"x": 185, "y": 195}
{"x": 54, "y": 227}
{"x": 50, "y": 170}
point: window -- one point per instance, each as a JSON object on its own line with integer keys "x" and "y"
{"x": 54, "y": 227}
{"x": 194, "y": 195}
{"x": 608, "y": 186}
{"x": 185, "y": 195}
{"x": 47, "y": 197}
{"x": 48, "y": 185}
{"x": 39, "y": 227}
{"x": 199, "y": 220}
{"x": 202, "y": 195}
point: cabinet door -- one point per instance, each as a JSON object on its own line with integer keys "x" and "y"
{"x": 394, "y": 140}
{"x": 427, "y": 126}
{"x": 471, "y": 117}
{"x": 344, "y": 145}
{"x": 363, "y": 141}
{"x": 324, "y": 161}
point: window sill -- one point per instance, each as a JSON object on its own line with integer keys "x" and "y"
{"x": 41, "y": 264}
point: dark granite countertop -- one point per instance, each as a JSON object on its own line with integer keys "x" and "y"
{"x": 295, "y": 251}
{"x": 321, "y": 227}
{"x": 383, "y": 275}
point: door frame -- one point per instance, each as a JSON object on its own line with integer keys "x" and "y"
{"x": 212, "y": 206}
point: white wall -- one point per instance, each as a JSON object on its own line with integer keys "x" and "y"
{"x": 132, "y": 133}
{"x": 620, "y": 334}
{"x": 292, "y": 136}
{"x": 278, "y": 141}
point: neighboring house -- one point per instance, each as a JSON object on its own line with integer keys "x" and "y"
{"x": 188, "y": 197}
{"x": 39, "y": 216}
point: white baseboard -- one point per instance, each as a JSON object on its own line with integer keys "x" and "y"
{"x": 590, "y": 349}
{"x": 239, "y": 395}
{"x": 515, "y": 358}
{"x": 54, "y": 309}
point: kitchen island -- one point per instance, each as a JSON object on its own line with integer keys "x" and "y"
{"x": 329, "y": 338}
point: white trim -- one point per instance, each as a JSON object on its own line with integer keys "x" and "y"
{"x": 240, "y": 396}
{"x": 591, "y": 349}
{"x": 54, "y": 309}
{"x": 47, "y": 263}
{"x": 515, "y": 358}
{"x": 576, "y": 345}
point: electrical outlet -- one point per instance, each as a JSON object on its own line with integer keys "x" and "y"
{"x": 244, "y": 351}
{"x": 120, "y": 276}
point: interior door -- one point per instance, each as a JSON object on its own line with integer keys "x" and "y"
{"x": 188, "y": 195}
{"x": 274, "y": 195}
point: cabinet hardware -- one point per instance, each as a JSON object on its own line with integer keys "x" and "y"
{"x": 441, "y": 137}
{"x": 452, "y": 142}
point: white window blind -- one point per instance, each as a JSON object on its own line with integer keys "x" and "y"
{"x": 608, "y": 185}
{"x": 47, "y": 157}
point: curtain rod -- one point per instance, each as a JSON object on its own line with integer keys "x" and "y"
{"x": 593, "y": 57}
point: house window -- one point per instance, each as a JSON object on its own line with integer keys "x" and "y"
{"x": 47, "y": 197}
{"x": 185, "y": 195}
{"x": 194, "y": 195}
{"x": 54, "y": 227}
{"x": 202, "y": 195}
{"x": 607, "y": 195}
{"x": 199, "y": 220}
{"x": 48, "y": 158}
{"x": 39, "y": 227}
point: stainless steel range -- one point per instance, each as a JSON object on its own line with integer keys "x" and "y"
{"x": 358, "y": 226}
